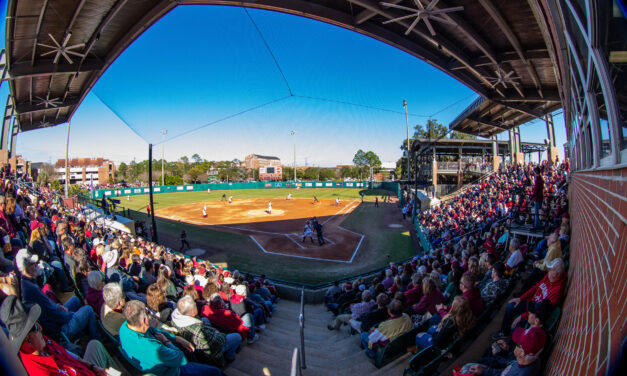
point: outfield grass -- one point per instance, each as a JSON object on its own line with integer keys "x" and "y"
{"x": 164, "y": 200}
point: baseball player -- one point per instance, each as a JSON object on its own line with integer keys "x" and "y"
{"x": 307, "y": 232}
{"x": 208, "y": 190}
{"x": 289, "y": 196}
{"x": 269, "y": 207}
{"x": 204, "y": 211}
{"x": 337, "y": 201}
{"x": 230, "y": 199}
{"x": 128, "y": 197}
{"x": 315, "y": 199}
{"x": 223, "y": 197}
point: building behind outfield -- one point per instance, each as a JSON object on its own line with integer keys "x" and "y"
{"x": 88, "y": 171}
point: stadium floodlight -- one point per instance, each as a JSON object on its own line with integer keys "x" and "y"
{"x": 407, "y": 125}
{"x": 163, "y": 133}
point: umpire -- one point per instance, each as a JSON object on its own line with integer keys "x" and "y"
{"x": 318, "y": 228}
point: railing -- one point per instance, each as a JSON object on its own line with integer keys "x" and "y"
{"x": 295, "y": 371}
{"x": 480, "y": 168}
{"x": 301, "y": 320}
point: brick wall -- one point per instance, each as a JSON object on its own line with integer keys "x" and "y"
{"x": 592, "y": 328}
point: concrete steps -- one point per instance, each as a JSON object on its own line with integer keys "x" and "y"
{"x": 327, "y": 352}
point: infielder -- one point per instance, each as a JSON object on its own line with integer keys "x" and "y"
{"x": 289, "y": 196}
{"x": 337, "y": 201}
{"x": 230, "y": 199}
{"x": 269, "y": 207}
{"x": 204, "y": 211}
{"x": 315, "y": 199}
{"x": 223, "y": 197}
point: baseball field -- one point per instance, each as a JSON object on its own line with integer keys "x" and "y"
{"x": 358, "y": 236}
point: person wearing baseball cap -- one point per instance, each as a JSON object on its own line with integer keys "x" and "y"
{"x": 41, "y": 355}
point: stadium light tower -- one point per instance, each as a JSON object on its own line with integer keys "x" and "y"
{"x": 163, "y": 133}
{"x": 293, "y": 133}
{"x": 407, "y": 124}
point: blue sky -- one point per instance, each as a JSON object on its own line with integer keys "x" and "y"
{"x": 200, "y": 65}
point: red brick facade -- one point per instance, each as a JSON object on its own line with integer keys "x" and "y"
{"x": 593, "y": 323}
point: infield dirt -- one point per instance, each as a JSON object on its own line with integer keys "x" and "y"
{"x": 281, "y": 231}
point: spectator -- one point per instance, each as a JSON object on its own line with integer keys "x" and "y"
{"x": 497, "y": 286}
{"x": 554, "y": 251}
{"x": 158, "y": 303}
{"x": 537, "y": 196}
{"x": 372, "y": 318}
{"x": 153, "y": 349}
{"x": 414, "y": 294}
{"x": 112, "y": 316}
{"x": 93, "y": 297}
{"x": 431, "y": 297}
{"x": 551, "y": 287}
{"x": 246, "y": 308}
{"x": 70, "y": 319}
{"x": 389, "y": 279}
{"x": 515, "y": 255}
{"x": 357, "y": 310}
{"x": 164, "y": 281}
{"x": 115, "y": 273}
{"x": 456, "y": 322}
{"x": 147, "y": 274}
{"x": 41, "y": 355}
{"x": 210, "y": 344}
{"x": 388, "y": 330}
{"x": 227, "y": 320}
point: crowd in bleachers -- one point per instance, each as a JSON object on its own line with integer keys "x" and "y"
{"x": 510, "y": 189}
{"x": 440, "y": 299}
{"x": 134, "y": 306}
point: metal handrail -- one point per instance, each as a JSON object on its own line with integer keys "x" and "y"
{"x": 295, "y": 370}
{"x": 301, "y": 320}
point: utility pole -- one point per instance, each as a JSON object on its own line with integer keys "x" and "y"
{"x": 67, "y": 152}
{"x": 293, "y": 133}
{"x": 407, "y": 124}
{"x": 163, "y": 133}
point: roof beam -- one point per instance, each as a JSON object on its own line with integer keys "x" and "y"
{"x": 503, "y": 57}
{"x": 48, "y": 68}
{"x": 528, "y": 96}
{"x": 39, "y": 21}
{"x": 513, "y": 40}
{"x": 483, "y": 121}
{"x": 366, "y": 14}
{"x": 105, "y": 21}
{"x": 26, "y": 108}
{"x": 536, "y": 113}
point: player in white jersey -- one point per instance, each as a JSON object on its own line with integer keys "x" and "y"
{"x": 230, "y": 199}
{"x": 269, "y": 207}
{"x": 289, "y": 196}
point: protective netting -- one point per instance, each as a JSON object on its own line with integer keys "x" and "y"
{"x": 214, "y": 75}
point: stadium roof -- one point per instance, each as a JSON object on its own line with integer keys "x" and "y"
{"x": 57, "y": 50}
{"x": 450, "y": 146}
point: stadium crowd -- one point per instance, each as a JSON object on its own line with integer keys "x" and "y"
{"x": 437, "y": 300}
{"x": 71, "y": 286}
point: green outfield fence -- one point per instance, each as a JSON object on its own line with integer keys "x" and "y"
{"x": 132, "y": 191}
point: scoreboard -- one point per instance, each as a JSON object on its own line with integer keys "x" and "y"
{"x": 270, "y": 173}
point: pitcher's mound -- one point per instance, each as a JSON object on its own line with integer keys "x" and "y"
{"x": 264, "y": 212}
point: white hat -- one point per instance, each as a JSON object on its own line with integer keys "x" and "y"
{"x": 110, "y": 258}
{"x": 553, "y": 263}
{"x": 23, "y": 257}
{"x": 240, "y": 290}
{"x": 229, "y": 280}
{"x": 96, "y": 242}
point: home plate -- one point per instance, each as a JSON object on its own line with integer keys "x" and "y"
{"x": 395, "y": 225}
{"x": 195, "y": 252}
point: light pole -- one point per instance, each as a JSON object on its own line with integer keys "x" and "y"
{"x": 407, "y": 124}
{"x": 163, "y": 133}
{"x": 67, "y": 152}
{"x": 293, "y": 133}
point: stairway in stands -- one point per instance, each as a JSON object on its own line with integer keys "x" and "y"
{"x": 327, "y": 352}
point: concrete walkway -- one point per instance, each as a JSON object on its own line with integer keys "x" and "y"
{"x": 327, "y": 352}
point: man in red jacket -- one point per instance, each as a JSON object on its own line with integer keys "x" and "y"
{"x": 226, "y": 319}
{"x": 551, "y": 287}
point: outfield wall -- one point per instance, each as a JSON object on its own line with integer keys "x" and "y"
{"x": 132, "y": 191}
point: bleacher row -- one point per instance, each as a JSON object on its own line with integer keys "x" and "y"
{"x": 470, "y": 253}
{"x": 70, "y": 287}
